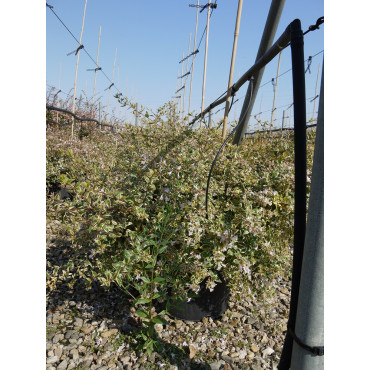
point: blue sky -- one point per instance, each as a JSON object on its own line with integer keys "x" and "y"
{"x": 151, "y": 38}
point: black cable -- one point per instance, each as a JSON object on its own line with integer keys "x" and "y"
{"x": 222, "y": 146}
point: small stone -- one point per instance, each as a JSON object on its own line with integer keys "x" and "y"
{"x": 242, "y": 355}
{"x": 52, "y": 360}
{"x": 225, "y": 353}
{"x": 267, "y": 352}
{"x": 57, "y": 338}
{"x": 51, "y": 353}
{"x": 211, "y": 353}
{"x": 216, "y": 365}
{"x": 87, "y": 330}
{"x": 192, "y": 350}
{"x": 63, "y": 365}
{"x": 284, "y": 290}
{"x": 58, "y": 351}
{"x": 108, "y": 333}
{"x": 250, "y": 356}
{"x": 78, "y": 322}
{"x": 254, "y": 348}
{"x": 264, "y": 340}
{"x": 158, "y": 328}
{"x": 233, "y": 355}
{"x": 227, "y": 367}
{"x": 125, "y": 360}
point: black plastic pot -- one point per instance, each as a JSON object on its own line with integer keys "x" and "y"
{"x": 207, "y": 304}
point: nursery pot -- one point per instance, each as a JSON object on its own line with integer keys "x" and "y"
{"x": 208, "y": 303}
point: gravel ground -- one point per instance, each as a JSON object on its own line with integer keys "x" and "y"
{"x": 90, "y": 329}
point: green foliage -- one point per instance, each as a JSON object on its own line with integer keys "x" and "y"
{"x": 137, "y": 219}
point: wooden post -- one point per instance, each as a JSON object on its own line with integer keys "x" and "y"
{"x": 231, "y": 74}
{"x": 78, "y": 59}
{"x": 114, "y": 64}
{"x": 314, "y": 102}
{"x": 187, "y": 64}
{"x": 97, "y": 60}
{"x": 276, "y": 85}
{"x": 205, "y": 60}
{"x": 192, "y": 70}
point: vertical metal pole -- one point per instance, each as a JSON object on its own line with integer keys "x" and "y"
{"x": 114, "y": 64}
{"x": 314, "y": 102}
{"x": 205, "y": 60}
{"x": 119, "y": 105}
{"x": 282, "y": 123}
{"x": 177, "y": 87}
{"x": 78, "y": 59}
{"x": 60, "y": 74}
{"x": 275, "y": 91}
{"x": 187, "y": 65}
{"x": 182, "y": 72}
{"x": 269, "y": 32}
{"x": 192, "y": 69}
{"x": 231, "y": 74}
{"x": 97, "y": 61}
{"x": 309, "y": 327}
{"x": 300, "y": 181}
{"x": 100, "y": 126}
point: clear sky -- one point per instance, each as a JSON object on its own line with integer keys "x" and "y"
{"x": 151, "y": 37}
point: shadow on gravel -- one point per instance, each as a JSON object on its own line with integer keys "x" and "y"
{"x": 103, "y": 304}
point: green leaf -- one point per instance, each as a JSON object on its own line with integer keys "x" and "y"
{"x": 161, "y": 250}
{"x": 159, "y": 279}
{"x": 159, "y": 320}
{"x": 145, "y": 279}
{"x": 142, "y": 314}
{"x": 142, "y": 301}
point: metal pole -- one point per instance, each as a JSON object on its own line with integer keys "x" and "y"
{"x": 114, "y": 64}
{"x": 100, "y": 126}
{"x": 309, "y": 327}
{"x": 236, "y": 34}
{"x": 314, "y": 102}
{"x": 282, "y": 123}
{"x": 119, "y": 105}
{"x": 300, "y": 181}
{"x": 78, "y": 59}
{"x": 182, "y": 73}
{"x": 275, "y": 91}
{"x": 187, "y": 65}
{"x": 60, "y": 74}
{"x": 205, "y": 60}
{"x": 177, "y": 88}
{"x": 192, "y": 69}
{"x": 269, "y": 32}
{"x": 97, "y": 60}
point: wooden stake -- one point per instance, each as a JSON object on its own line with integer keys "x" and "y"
{"x": 205, "y": 61}
{"x": 192, "y": 70}
{"x": 276, "y": 85}
{"x": 97, "y": 61}
{"x": 314, "y": 102}
{"x": 114, "y": 64}
{"x": 78, "y": 59}
{"x": 236, "y": 34}
{"x": 187, "y": 64}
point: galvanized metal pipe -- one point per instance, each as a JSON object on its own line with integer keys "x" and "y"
{"x": 309, "y": 326}
{"x": 231, "y": 74}
{"x": 268, "y": 35}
